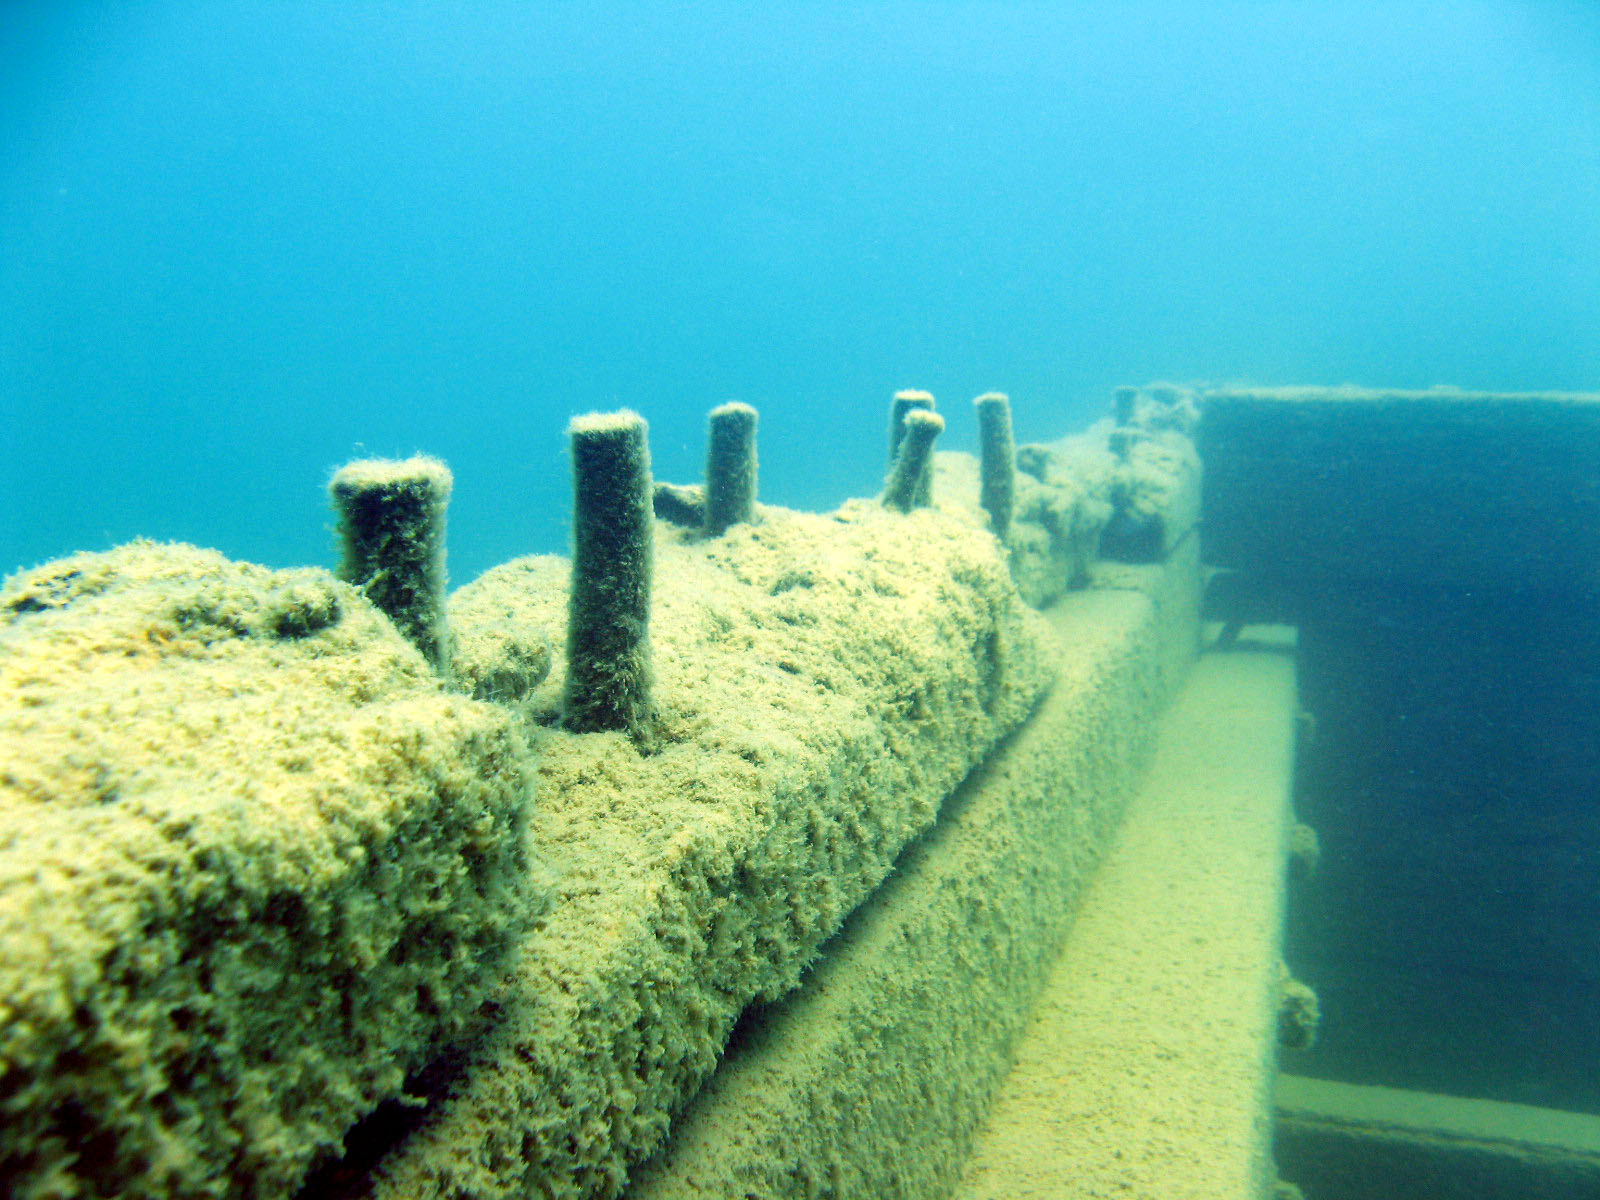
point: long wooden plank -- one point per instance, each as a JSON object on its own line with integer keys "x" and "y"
{"x": 1146, "y": 1069}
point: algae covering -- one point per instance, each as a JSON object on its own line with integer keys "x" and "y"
{"x": 872, "y": 1077}
{"x": 298, "y": 941}
{"x": 1147, "y": 1065}
{"x": 1076, "y": 503}
{"x": 256, "y": 867}
{"x": 823, "y": 683}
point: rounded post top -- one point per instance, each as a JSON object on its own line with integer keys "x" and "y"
{"x": 365, "y": 474}
{"x": 605, "y": 424}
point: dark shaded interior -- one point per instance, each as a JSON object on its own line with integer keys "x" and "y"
{"x": 1451, "y": 928}
{"x": 1437, "y": 552}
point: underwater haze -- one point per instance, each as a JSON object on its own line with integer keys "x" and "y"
{"x": 241, "y": 243}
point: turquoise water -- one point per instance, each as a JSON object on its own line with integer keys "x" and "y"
{"x": 243, "y": 242}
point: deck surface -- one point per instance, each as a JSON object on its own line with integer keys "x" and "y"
{"x": 1146, "y": 1070}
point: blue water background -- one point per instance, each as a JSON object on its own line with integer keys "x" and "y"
{"x": 241, "y": 243}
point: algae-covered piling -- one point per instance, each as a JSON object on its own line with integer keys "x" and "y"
{"x": 391, "y": 534}
{"x": 609, "y": 673}
{"x": 1125, "y": 405}
{"x": 904, "y": 402}
{"x": 997, "y": 461}
{"x": 730, "y": 467}
{"x": 911, "y": 481}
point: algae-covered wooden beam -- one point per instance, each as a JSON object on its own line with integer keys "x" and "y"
{"x": 1374, "y": 1143}
{"x": 873, "y": 1078}
{"x": 257, "y": 869}
{"x": 824, "y": 682}
{"x": 1148, "y": 1065}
